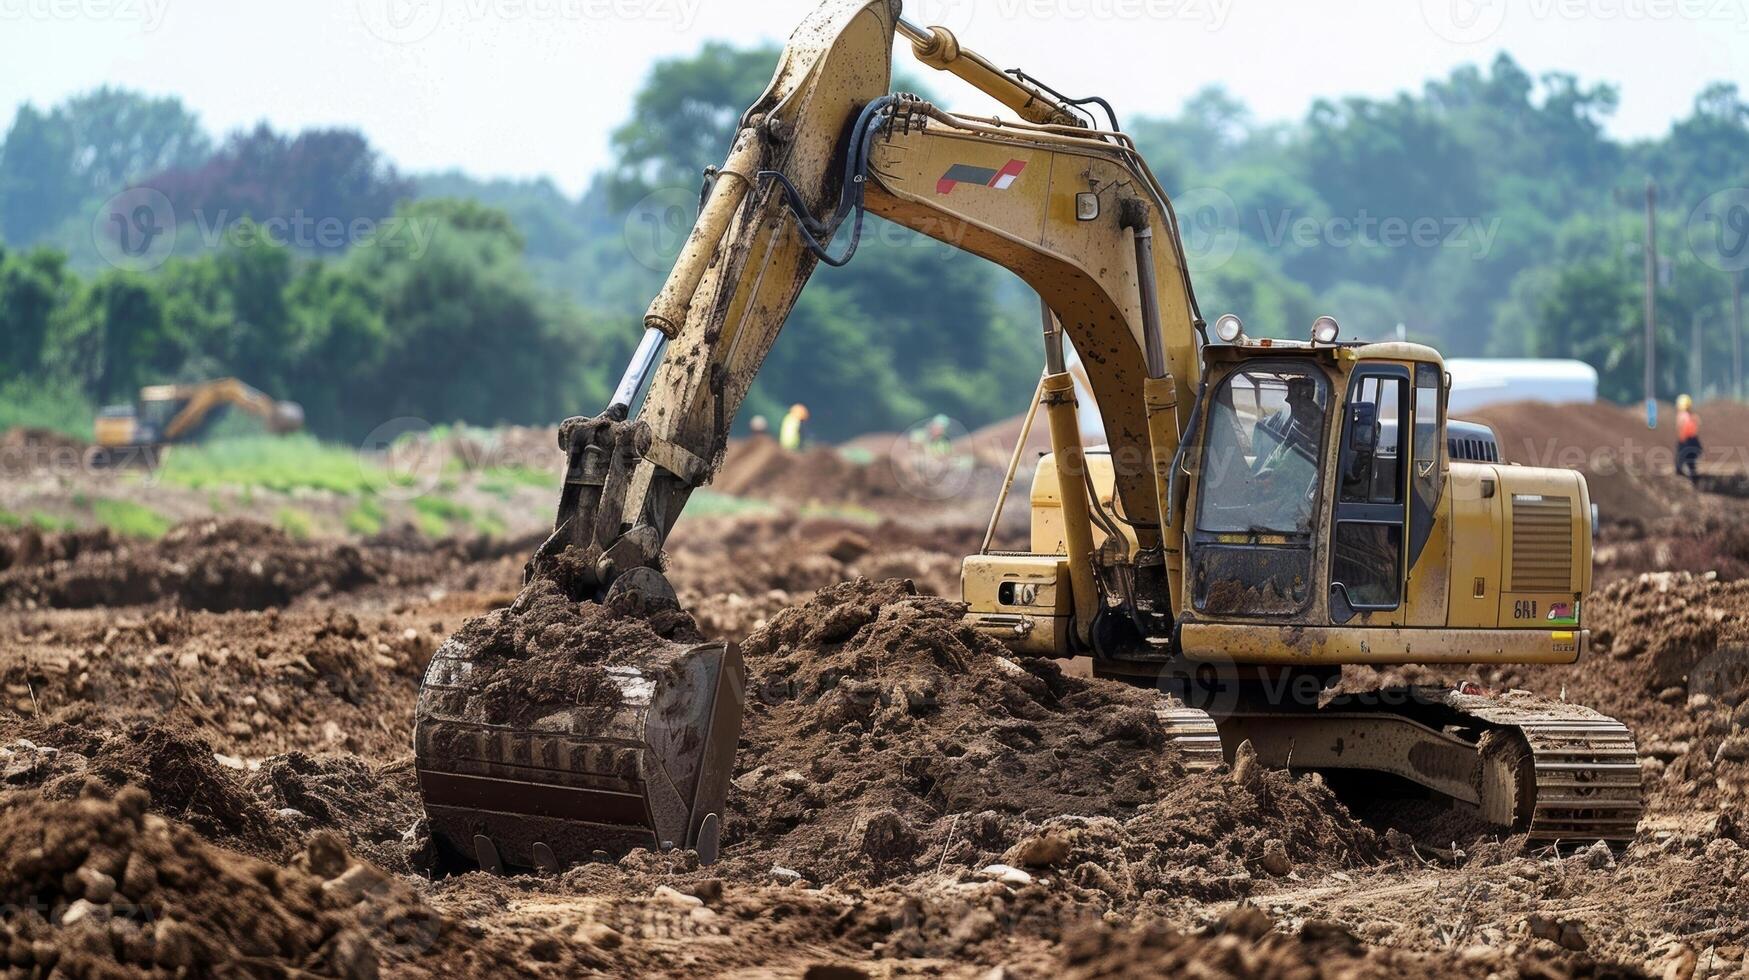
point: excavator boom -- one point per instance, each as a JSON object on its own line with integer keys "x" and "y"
{"x": 1071, "y": 209}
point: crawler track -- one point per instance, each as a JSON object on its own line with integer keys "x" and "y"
{"x": 1587, "y": 771}
{"x": 1194, "y": 733}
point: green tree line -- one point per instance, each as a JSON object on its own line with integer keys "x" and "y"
{"x": 1488, "y": 213}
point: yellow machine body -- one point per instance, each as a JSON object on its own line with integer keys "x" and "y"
{"x": 1492, "y": 567}
{"x": 168, "y": 414}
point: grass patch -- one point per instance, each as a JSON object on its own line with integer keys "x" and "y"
{"x": 366, "y": 519}
{"x": 709, "y": 503}
{"x": 44, "y": 521}
{"x": 437, "y": 516}
{"x": 491, "y": 525}
{"x": 281, "y": 463}
{"x": 843, "y": 512}
{"x": 503, "y": 481}
{"x": 9, "y": 520}
{"x": 129, "y": 519}
{"x": 431, "y": 526}
{"x": 299, "y": 524}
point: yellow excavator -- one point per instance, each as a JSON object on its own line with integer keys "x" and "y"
{"x": 136, "y": 434}
{"x": 1265, "y": 513}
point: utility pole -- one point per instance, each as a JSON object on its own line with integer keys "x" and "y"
{"x": 1737, "y": 335}
{"x": 1651, "y": 304}
{"x": 1695, "y": 368}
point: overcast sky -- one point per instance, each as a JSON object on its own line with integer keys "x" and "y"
{"x": 533, "y": 87}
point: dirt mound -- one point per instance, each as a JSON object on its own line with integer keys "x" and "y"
{"x": 886, "y": 738}
{"x": 1631, "y": 470}
{"x": 26, "y": 546}
{"x": 1668, "y": 623}
{"x": 209, "y": 565}
{"x": 548, "y": 651}
{"x": 1246, "y": 943}
{"x": 374, "y": 807}
{"x": 25, "y": 450}
{"x": 1711, "y": 543}
{"x": 266, "y": 682}
{"x": 758, "y": 467}
{"x": 735, "y": 573}
{"x": 104, "y": 888}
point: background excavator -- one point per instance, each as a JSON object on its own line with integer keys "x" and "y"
{"x": 135, "y": 435}
{"x": 1265, "y": 512}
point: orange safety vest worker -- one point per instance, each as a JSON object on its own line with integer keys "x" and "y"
{"x": 1687, "y": 426}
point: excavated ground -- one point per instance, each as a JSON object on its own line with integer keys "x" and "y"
{"x": 206, "y": 764}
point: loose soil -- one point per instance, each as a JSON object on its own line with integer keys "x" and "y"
{"x": 205, "y": 758}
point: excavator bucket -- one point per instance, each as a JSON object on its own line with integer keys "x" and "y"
{"x": 644, "y": 764}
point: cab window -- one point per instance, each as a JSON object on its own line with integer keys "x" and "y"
{"x": 1263, "y": 441}
{"x": 1261, "y": 457}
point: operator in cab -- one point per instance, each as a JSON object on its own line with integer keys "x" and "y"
{"x": 1286, "y": 467}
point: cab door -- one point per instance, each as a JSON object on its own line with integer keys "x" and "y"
{"x": 1427, "y": 602}
{"x": 1370, "y": 520}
